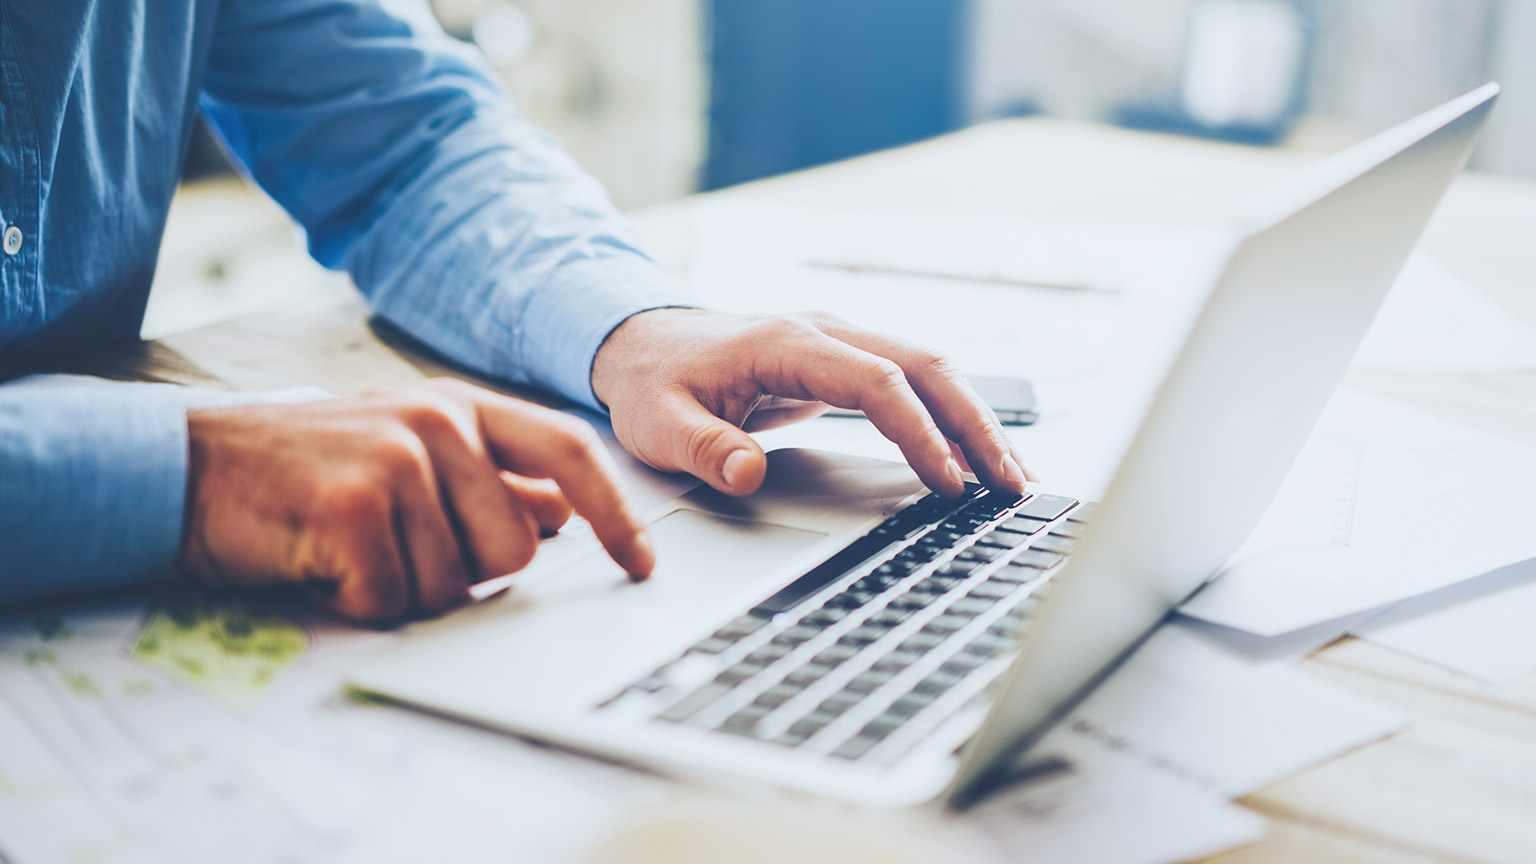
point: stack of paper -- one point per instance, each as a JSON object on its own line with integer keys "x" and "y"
{"x": 212, "y": 728}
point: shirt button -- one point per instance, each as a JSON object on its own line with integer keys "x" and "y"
{"x": 12, "y": 240}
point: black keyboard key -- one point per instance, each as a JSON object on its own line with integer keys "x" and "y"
{"x": 945, "y": 624}
{"x": 1015, "y": 574}
{"x": 986, "y": 552}
{"x": 806, "y": 675}
{"x": 963, "y": 664}
{"x": 913, "y": 600}
{"x": 1023, "y": 525}
{"x": 694, "y": 702}
{"x": 969, "y": 606}
{"x": 897, "y": 660}
{"x": 987, "y": 645}
{"x": 882, "y": 726}
{"x": 1070, "y": 529}
{"x": 776, "y": 695}
{"x": 744, "y": 722}
{"x": 824, "y": 574}
{"x": 993, "y": 589}
{"x": 920, "y": 642}
{"x": 992, "y": 504}
{"x": 712, "y": 646}
{"x": 766, "y": 654}
{"x": 850, "y": 599}
{"x": 824, "y": 617}
{"x": 834, "y": 654}
{"x": 918, "y": 554}
{"x": 1046, "y": 507}
{"x": 1054, "y": 543}
{"x": 896, "y": 569}
{"x": 947, "y": 534}
{"x": 1036, "y": 558}
{"x": 947, "y": 581}
{"x": 1000, "y": 540}
{"x": 971, "y": 556}
{"x": 795, "y": 635}
{"x": 840, "y": 702}
{"x": 869, "y": 681}
{"x": 912, "y": 703}
{"x": 936, "y": 682}
{"x": 954, "y": 571}
{"x": 862, "y": 635}
{"x": 652, "y": 683}
{"x": 746, "y": 625}
{"x": 855, "y": 747}
{"x": 738, "y": 673}
{"x": 870, "y": 584}
{"x": 802, "y": 729}
{"x": 890, "y": 616}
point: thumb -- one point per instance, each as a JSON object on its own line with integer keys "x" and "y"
{"x": 713, "y": 450}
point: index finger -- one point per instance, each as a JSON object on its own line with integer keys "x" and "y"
{"x": 539, "y": 442}
{"x": 959, "y": 411}
{"x": 829, "y": 370}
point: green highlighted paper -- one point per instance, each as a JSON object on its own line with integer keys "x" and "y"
{"x": 220, "y": 648}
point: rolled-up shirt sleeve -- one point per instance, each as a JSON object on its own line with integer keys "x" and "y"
{"x": 462, "y": 222}
{"x": 93, "y": 479}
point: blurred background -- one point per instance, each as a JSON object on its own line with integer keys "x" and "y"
{"x": 660, "y": 98}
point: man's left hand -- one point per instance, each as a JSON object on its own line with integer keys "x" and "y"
{"x": 682, "y": 385}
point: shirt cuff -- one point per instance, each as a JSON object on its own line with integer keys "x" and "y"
{"x": 95, "y": 483}
{"x": 554, "y": 337}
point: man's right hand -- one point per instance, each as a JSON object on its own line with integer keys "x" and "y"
{"x": 392, "y": 504}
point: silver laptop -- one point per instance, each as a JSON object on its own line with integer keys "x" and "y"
{"x": 842, "y": 633}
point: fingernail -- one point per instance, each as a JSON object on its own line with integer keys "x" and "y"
{"x": 952, "y": 472}
{"x": 735, "y": 468}
{"x": 1012, "y": 470}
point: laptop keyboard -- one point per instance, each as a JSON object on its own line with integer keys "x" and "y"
{"x": 885, "y": 640}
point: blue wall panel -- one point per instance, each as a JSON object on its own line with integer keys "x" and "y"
{"x": 801, "y": 82}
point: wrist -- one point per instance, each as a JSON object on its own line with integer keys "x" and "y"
{"x": 628, "y": 346}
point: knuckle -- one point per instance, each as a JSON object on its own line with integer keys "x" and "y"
{"x": 703, "y": 440}
{"x": 886, "y": 374}
{"x": 819, "y": 318}
{"x": 428, "y": 412}
{"x": 783, "y": 328}
{"x": 936, "y": 363}
{"x": 398, "y": 454}
{"x": 355, "y": 501}
{"x": 578, "y": 440}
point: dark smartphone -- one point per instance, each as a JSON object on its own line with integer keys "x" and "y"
{"x": 1012, "y": 398}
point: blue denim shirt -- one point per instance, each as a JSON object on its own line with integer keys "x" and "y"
{"x": 386, "y": 140}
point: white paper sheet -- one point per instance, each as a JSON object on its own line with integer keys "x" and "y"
{"x": 1385, "y": 503}
{"x": 1436, "y": 321}
{"x": 1487, "y": 630}
{"x": 1188, "y": 707}
{"x": 1105, "y": 808}
{"x": 109, "y": 759}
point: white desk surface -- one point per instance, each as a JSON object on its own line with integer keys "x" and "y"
{"x": 1457, "y": 787}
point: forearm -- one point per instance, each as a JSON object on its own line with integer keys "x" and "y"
{"x": 510, "y": 261}
{"x": 92, "y": 484}
{"x": 465, "y": 224}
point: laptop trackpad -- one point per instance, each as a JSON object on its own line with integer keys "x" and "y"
{"x": 693, "y": 544}
{"x": 587, "y": 623}
{"x": 702, "y": 560}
